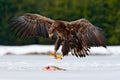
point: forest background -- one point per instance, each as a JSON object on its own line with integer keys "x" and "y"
{"x": 102, "y": 13}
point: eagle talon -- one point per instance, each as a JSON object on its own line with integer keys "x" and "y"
{"x": 58, "y": 57}
{"x": 52, "y": 54}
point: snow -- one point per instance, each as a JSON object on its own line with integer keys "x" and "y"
{"x": 22, "y": 67}
{"x": 25, "y": 49}
{"x": 30, "y": 68}
{"x": 110, "y": 50}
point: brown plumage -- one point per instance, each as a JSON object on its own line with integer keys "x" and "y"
{"x": 75, "y": 37}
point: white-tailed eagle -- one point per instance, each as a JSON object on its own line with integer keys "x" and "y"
{"x": 76, "y": 36}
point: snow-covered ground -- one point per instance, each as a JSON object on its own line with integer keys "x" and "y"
{"x": 15, "y": 67}
{"x": 46, "y": 48}
{"x": 22, "y": 67}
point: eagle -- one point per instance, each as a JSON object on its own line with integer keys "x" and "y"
{"x": 76, "y": 37}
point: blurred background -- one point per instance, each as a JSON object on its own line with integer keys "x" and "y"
{"x": 102, "y": 13}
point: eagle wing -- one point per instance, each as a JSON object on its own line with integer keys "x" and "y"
{"x": 85, "y": 36}
{"x": 31, "y": 25}
{"x": 89, "y": 34}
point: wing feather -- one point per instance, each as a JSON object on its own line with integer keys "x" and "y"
{"x": 30, "y": 25}
{"x": 88, "y": 32}
{"x": 86, "y": 35}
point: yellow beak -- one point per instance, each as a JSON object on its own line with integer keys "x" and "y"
{"x": 51, "y": 35}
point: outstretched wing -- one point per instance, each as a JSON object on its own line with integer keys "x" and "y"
{"x": 88, "y": 33}
{"x": 30, "y": 25}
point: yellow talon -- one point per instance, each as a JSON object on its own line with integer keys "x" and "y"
{"x": 52, "y": 54}
{"x": 58, "y": 56}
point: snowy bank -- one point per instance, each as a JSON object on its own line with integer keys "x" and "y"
{"x": 110, "y": 50}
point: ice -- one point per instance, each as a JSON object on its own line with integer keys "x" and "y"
{"x": 30, "y": 68}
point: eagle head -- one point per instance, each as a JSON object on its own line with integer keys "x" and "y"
{"x": 57, "y": 26}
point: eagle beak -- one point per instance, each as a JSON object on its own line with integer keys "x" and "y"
{"x": 51, "y": 35}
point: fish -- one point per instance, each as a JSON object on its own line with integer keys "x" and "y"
{"x": 53, "y": 68}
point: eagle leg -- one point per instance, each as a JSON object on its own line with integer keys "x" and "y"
{"x": 57, "y": 45}
{"x": 52, "y": 53}
{"x": 58, "y": 56}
